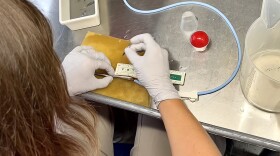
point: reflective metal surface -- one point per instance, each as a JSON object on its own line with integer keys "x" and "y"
{"x": 226, "y": 113}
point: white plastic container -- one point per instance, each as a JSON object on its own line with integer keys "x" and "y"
{"x": 189, "y": 24}
{"x": 260, "y": 72}
{"x": 77, "y": 23}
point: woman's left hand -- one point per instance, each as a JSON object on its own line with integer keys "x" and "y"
{"x": 80, "y": 66}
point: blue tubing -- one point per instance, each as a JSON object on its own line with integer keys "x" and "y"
{"x": 234, "y": 73}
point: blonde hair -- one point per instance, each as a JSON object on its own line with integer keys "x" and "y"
{"x": 33, "y": 90}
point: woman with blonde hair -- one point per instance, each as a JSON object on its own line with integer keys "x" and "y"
{"x": 38, "y": 114}
{"x": 34, "y": 104}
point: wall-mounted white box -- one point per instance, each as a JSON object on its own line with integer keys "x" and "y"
{"x": 79, "y": 22}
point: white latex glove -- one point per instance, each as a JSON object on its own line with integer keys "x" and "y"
{"x": 79, "y": 67}
{"x": 152, "y": 69}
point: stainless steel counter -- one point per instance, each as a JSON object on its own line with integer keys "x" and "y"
{"x": 225, "y": 113}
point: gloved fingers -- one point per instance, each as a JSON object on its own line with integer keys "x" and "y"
{"x": 96, "y": 55}
{"x": 104, "y": 65}
{"x": 131, "y": 55}
{"x": 142, "y": 38}
{"x": 102, "y": 57}
{"x": 87, "y": 48}
{"x": 165, "y": 57}
{"x": 81, "y": 48}
{"x": 165, "y": 53}
{"x": 138, "y": 47}
{"x": 101, "y": 83}
{"x": 93, "y": 84}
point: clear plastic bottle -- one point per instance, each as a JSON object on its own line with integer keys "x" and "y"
{"x": 260, "y": 72}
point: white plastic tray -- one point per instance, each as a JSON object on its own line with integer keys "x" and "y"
{"x": 77, "y": 23}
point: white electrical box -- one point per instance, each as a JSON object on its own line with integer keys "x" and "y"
{"x": 79, "y": 14}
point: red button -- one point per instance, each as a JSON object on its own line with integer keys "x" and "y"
{"x": 199, "y": 39}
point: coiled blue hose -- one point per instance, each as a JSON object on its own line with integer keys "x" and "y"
{"x": 216, "y": 11}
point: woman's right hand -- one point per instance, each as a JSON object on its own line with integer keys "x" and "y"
{"x": 182, "y": 128}
{"x": 152, "y": 69}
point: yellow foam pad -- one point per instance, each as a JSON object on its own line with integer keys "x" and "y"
{"x": 121, "y": 89}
